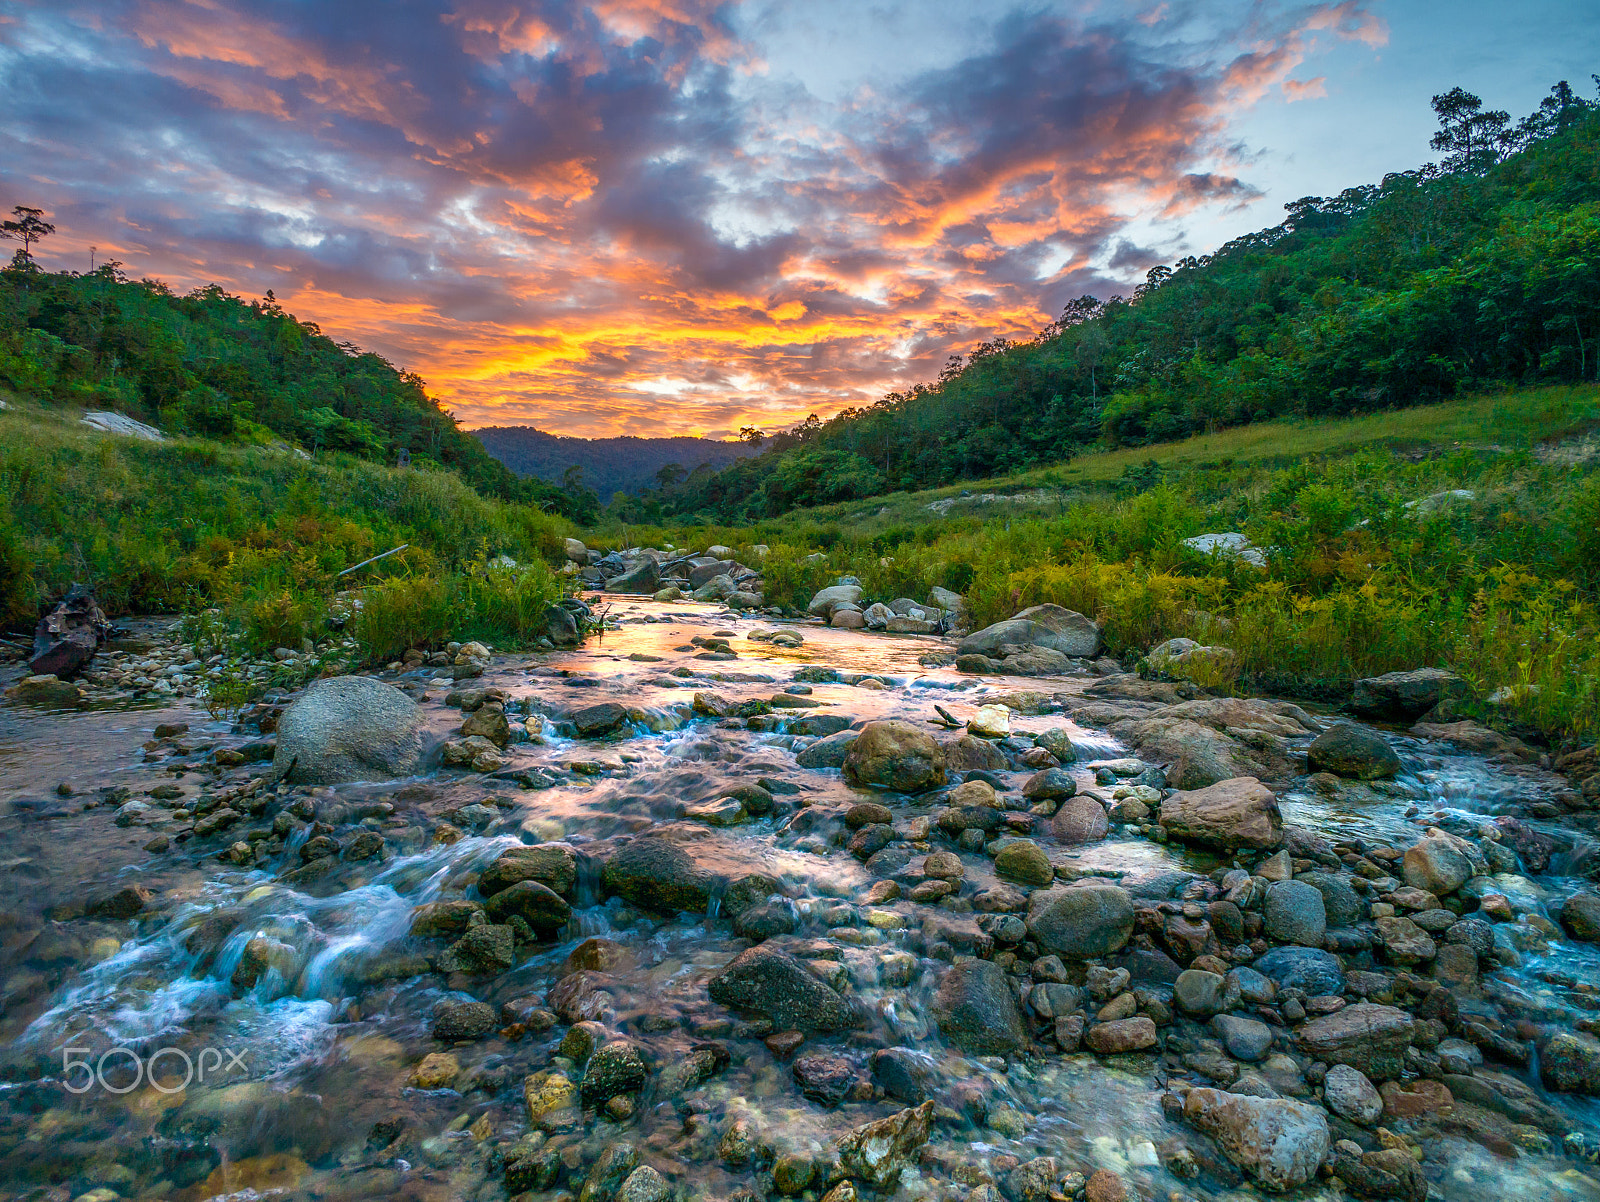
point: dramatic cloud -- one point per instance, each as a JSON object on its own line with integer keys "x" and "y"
{"x": 617, "y": 217}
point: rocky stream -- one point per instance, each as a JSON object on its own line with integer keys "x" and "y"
{"x": 720, "y": 907}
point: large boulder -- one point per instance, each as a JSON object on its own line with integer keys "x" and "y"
{"x": 823, "y": 604}
{"x": 1279, "y": 1142}
{"x": 642, "y": 579}
{"x": 769, "y": 981}
{"x": 1294, "y": 912}
{"x": 977, "y": 1010}
{"x": 658, "y": 875}
{"x": 894, "y": 755}
{"x": 1368, "y": 1037}
{"x": 1406, "y": 695}
{"x": 876, "y": 1152}
{"x": 1051, "y": 626}
{"x": 1081, "y": 819}
{"x": 348, "y": 728}
{"x": 1353, "y": 751}
{"x": 829, "y": 752}
{"x": 1308, "y": 969}
{"x": 1081, "y": 921}
{"x": 1230, "y": 814}
{"x": 1437, "y": 864}
{"x": 969, "y": 752}
{"x": 1196, "y": 755}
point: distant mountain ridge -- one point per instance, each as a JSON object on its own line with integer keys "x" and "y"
{"x": 625, "y": 464}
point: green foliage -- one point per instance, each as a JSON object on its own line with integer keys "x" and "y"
{"x": 1435, "y": 282}
{"x": 504, "y": 607}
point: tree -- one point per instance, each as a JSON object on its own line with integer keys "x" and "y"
{"x": 28, "y": 227}
{"x": 752, "y": 435}
{"x": 1472, "y": 138}
{"x": 1091, "y": 348}
{"x": 669, "y": 474}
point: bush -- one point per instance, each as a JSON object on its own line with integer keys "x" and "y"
{"x": 398, "y": 615}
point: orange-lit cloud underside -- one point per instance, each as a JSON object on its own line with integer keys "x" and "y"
{"x": 615, "y": 218}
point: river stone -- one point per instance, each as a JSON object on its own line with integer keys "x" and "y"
{"x": 1353, "y": 751}
{"x": 643, "y": 579}
{"x": 657, "y": 875}
{"x": 484, "y": 950}
{"x": 1058, "y": 742}
{"x": 1293, "y": 912}
{"x": 348, "y": 728}
{"x": 541, "y": 908}
{"x": 1570, "y": 1063}
{"x": 615, "y": 1068}
{"x": 464, "y": 1021}
{"x": 1351, "y": 1096}
{"x": 1279, "y": 1142}
{"x": 1581, "y": 916}
{"x": 1051, "y": 784}
{"x": 1230, "y": 814}
{"x": 644, "y": 1184}
{"x": 1311, "y": 970}
{"x": 977, "y": 1010}
{"x": 596, "y": 721}
{"x": 1051, "y": 626}
{"x": 970, "y": 752}
{"x": 1081, "y": 819}
{"x": 876, "y": 1152}
{"x": 1121, "y": 1036}
{"x": 1247, "y": 1039}
{"x": 1388, "y": 1174}
{"x": 1406, "y": 695}
{"x": 1340, "y": 902}
{"x": 1436, "y": 865}
{"x": 829, "y": 752}
{"x": 769, "y": 981}
{"x": 1198, "y": 992}
{"x": 1081, "y": 921}
{"x": 1404, "y": 942}
{"x": 1368, "y": 1037}
{"x": 823, "y": 603}
{"x": 553, "y": 865}
{"x": 1024, "y": 861}
{"x": 894, "y": 755}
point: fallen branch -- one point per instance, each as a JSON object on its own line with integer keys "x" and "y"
{"x": 374, "y": 559}
{"x": 944, "y": 719}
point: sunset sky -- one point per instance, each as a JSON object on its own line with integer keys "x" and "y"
{"x": 671, "y": 216}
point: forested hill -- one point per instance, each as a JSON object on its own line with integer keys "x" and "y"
{"x": 209, "y": 363}
{"x": 607, "y": 465}
{"x": 1480, "y": 270}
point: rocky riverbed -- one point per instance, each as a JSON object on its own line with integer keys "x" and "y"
{"x": 721, "y": 908}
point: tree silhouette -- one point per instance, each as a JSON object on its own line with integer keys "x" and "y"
{"x": 27, "y": 227}
{"x": 1473, "y": 138}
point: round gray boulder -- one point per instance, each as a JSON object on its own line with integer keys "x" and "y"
{"x": 348, "y": 728}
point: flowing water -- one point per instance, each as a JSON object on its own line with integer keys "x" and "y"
{"x": 142, "y": 1061}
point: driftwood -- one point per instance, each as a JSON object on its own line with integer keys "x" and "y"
{"x": 944, "y": 719}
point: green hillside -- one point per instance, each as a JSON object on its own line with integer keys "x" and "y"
{"x": 1480, "y": 270}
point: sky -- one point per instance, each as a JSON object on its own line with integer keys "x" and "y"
{"x": 683, "y": 217}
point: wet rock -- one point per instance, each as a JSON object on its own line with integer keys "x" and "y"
{"x": 1293, "y": 912}
{"x": 1246, "y": 1039}
{"x": 1581, "y": 917}
{"x": 658, "y": 875}
{"x": 769, "y": 981}
{"x": 483, "y": 950}
{"x": 348, "y": 728}
{"x": 1230, "y": 814}
{"x": 1081, "y": 921}
{"x": 877, "y": 1152}
{"x": 1437, "y": 865}
{"x": 1341, "y": 904}
{"x": 1197, "y": 756}
{"x": 433, "y": 920}
{"x": 867, "y": 813}
{"x": 977, "y": 1011}
{"x": 1352, "y": 751}
{"x": 614, "y": 1068}
{"x": 1051, "y": 626}
{"x": 990, "y": 722}
{"x": 1052, "y": 784}
{"x": 47, "y": 692}
{"x": 1024, "y": 861}
{"x": 906, "y": 1075}
{"x": 438, "y": 1070}
{"x": 1106, "y": 1186}
{"x": 1415, "y": 1099}
{"x": 580, "y": 996}
{"x": 541, "y": 908}
{"x": 464, "y": 1021}
{"x": 1404, "y": 942}
{"x": 765, "y": 921}
{"x": 598, "y": 955}
{"x": 1279, "y": 1142}
{"x": 1570, "y": 1063}
{"x": 124, "y": 903}
{"x": 553, "y": 865}
{"x": 1310, "y": 970}
{"x": 828, "y": 752}
{"x": 1368, "y": 1037}
{"x": 1121, "y": 1036}
{"x": 1406, "y": 695}
{"x": 1199, "y": 992}
{"x": 792, "y": 1172}
{"x": 548, "y": 1094}
{"x": 1351, "y": 1096}
{"x": 597, "y": 721}
{"x": 823, "y": 1078}
{"x": 1080, "y": 819}
{"x": 894, "y": 755}
{"x": 609, "y": 1172}
{"x": 489, "y": 722}
{"x": 1391, "y": 1174}
{"x": 644, "y": 1184}
{"x": 969, "y": 753}
{"x": 702, "y": 1063}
